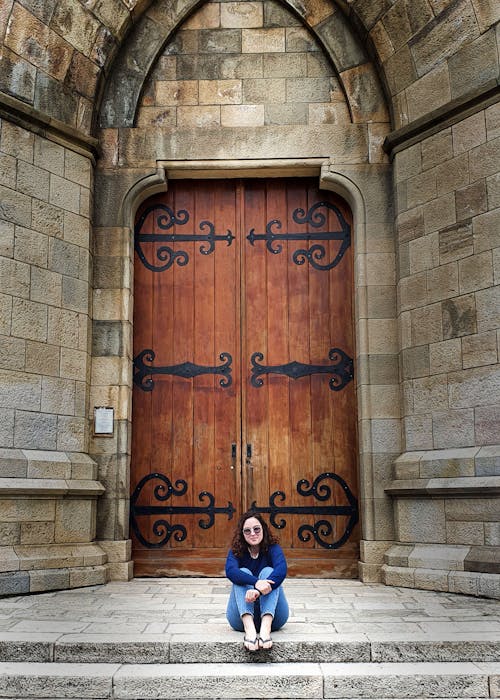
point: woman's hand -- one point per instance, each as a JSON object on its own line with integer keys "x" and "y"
{"x": 264, "y": 586}
{"x": 251, "y": 595}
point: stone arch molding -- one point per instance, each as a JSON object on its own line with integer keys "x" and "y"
{"x": 330, "y": 27}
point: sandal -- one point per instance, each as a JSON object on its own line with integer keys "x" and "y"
{"x": 265, "y": 644}
{"x": 249, "y": 643}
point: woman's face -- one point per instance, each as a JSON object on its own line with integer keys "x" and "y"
{"x": 252, "y": 531}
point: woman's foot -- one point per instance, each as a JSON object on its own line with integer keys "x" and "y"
{"x": 251, "y": 644}
{"x": 266, "y": 643}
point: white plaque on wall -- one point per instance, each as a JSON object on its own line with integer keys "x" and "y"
{"x": 103, "y": 420}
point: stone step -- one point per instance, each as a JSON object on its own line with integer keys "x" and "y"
{"x": 159, "y": 649}
{"x": 229, "y": 681}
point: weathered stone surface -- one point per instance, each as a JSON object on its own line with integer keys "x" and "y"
{"x": 459, "y": 316}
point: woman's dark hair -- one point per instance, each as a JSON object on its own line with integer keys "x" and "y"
{"x": 239, "y": 545}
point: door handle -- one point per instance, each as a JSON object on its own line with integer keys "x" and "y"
{"x": 233, "y": 455}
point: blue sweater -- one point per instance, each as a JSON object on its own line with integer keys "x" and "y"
{"x": 274, "y": 558}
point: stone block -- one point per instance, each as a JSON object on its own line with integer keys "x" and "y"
{"x": 49, "y": 155}
{"x": 277, "y": 16}
{"x": 10, "y": 534}
{"x": 487, "y": 422}
{"x": 263, "y": 40}
{"x": 473, "y": 509}
{"x": 400, "y": 70}
{"x": 87, "y": 576}
{"x": 35, "y": 431}
{"x": 476, "y": 63}
{"x": 483, "y": 559}
{"x": 372, "y": 552}
{"x": 64, "y": 194}
{"x": 437, "y": 149}
{"x": 421, "y": 188}
{"x": 491, "y": 534}
{"x": 77, "y": 168}
{"x": 285, "y": 114}
{"x": 58, "y": 395}
{"x": 64, "y": 257}
{"x": 493, "y": 121}
{"x": 32, "y": 181}
{"x": 120, "y": 571}
{"x": 37, "y": 533}
{"x": 29, "y": 319}
{"x": 419, "y": 520}
{"x": 42, "y": 358}
{"x": 74, "y": 520}
{"x": 474, "y": 387}
{"x": 488, "y": 309}
{"x": 445, "y": 356}
{"x": 77, "y": 25}
{"x": 19, "y": 390}
{"x": 465, "y": 533}
{"x": 469, "y": 133}
{"x": 426, "y": 324}
{"x": 17, "y": 142}
{"x": 300, "y": 40}
{"x": 484, "y": 160}
{"x": 439, "y": 556}
{"x": 398, "y": 576}
{"x": 176, "y": 92}
{"x": 31, "y": 247}
{"x": 263, "y": 91}
{"x": 417, "y": 431}
{"x": 486, "y": 231}
{"x": 428, "y": 92}
{"x": 7, "y": 239}
{"x": 18, "y": 76}
{"x": 431, "y": 580}
{"x": 15, "y": 207}
{"x": 242, "y": 115}
{"x": 47, "y": 219}
{"x": 27, "y": 510}
{"x": 206, "y": 17}
{"x": 72, "y": 433}
{"x": 456, "y": 241}
{"x": 410, "y": 224}
{"x": 476, "y": 272}
{"x": 463, "y": 582}
{"x": 340, "y": 41}
{"x": 48, "y": 580}
{"x": 14, "y": 583}
{"x": 415, "y": 362}
{"x": 471, "y": 200}
{"x": 440, "y": 213}
{"x": 13, "y": 463}
{"x": 47, "y": 464}
{"x": 453, "y": 174}
{"x": 7, "y": 427}
{"x": 220, "y": 92}
{"x": 487, "y": 461}
{"x": 241, "y": 14}
{"x": 459, "y": 316}
{"x": 199, "y": 117}
{"x": 489, "y": 586}
{"x": 223, "y": 41}
{"x": 453, "y": 428}
{"x": 284, "y": 65}
{"x": 75, "y": 294}
{"x": 398, "y": 555}
{"x": 413, "y": 293}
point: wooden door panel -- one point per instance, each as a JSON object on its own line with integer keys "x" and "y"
{"x": 193, "y": 419}
{"x": 219, "y": 304}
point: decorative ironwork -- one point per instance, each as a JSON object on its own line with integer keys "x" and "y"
{"x": 143, "y": 372}
{"x": 342, "y": 369}
{"x": 165, "y": 253}
{"x": 322, "y": 528}
{"x": 316, "y": 253}
{"x": 161, "y": 528}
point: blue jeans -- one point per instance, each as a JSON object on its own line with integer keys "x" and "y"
{"x": 274, "y": 603}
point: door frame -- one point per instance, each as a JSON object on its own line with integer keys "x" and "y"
{"x": 328, "y": 180}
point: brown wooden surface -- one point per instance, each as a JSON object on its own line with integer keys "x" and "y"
{"x": 242, "y": 299}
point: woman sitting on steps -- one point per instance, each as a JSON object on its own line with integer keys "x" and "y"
{"x": 256, "y": 566}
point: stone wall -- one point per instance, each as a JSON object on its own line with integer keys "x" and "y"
{"x": 169, "y": 82}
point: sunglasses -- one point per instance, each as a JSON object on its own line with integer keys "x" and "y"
{"x": 248, "y": 530}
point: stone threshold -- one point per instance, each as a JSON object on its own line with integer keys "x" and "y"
{"x": 302, "y": 680}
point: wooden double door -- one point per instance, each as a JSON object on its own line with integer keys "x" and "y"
{"x": 243, "y": 376}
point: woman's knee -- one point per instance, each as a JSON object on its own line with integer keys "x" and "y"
{"x": 266, "y": 572}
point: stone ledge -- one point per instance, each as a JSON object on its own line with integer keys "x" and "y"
{"x": 459, "y": 462}
{"x": 40, "y": 464}
{"x": 50, "y": 487}
{"x": 461, "y": 486}
{"x": 27, "y": 117}
{"x": 466, "y": 582}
